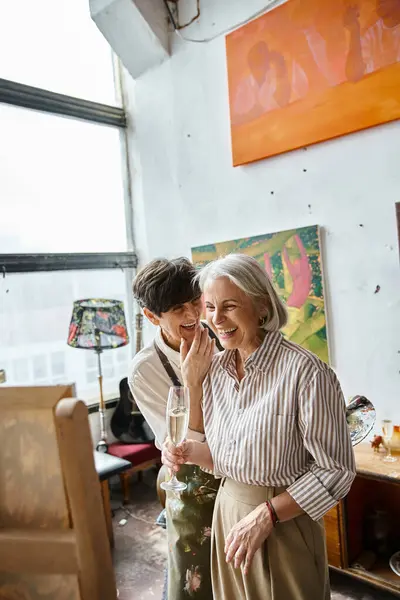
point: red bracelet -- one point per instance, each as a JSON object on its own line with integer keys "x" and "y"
{"x": 272, "y": 513}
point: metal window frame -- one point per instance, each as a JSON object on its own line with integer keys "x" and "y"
{"x": 26, "y": 96}
{"x": 35, "y": 263}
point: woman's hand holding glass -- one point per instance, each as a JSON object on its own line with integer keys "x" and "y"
{"x": 174, "y": 456}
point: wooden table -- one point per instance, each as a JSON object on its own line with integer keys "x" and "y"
{"x": 377, "y": 485}
{"x": 371, "y": 465}
{"x": 107, "y": 466}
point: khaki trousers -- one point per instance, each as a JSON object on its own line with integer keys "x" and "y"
{"x": 291, "y": 564}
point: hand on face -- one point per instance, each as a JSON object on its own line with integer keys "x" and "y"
{"x": 175, "y": 456}
{"x": 247, "y": 536}
{"x": 196, "y": 359}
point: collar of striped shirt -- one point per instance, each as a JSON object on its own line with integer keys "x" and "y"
{"x": 261, "y": 358}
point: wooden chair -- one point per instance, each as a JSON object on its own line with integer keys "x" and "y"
{"x": 53, "y": 537}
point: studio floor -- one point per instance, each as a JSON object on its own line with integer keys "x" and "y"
{"x": 141, "y": 549}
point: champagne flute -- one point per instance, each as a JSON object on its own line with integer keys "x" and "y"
{"x": 387, "y": 429}
{"x": 178, "y": 408}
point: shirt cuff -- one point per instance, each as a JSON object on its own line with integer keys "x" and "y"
{"x": 195, "y": 435}
{"x": 312, "y": 496}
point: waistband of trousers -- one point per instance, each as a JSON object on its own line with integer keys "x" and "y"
{"x": 250, "y": 494}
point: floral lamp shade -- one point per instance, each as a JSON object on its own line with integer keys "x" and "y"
{"x": 98, "y": 324}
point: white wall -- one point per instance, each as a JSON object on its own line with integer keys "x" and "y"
{"x": 186, "y": 193}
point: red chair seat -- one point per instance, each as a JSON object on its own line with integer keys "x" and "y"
{"x": 141, "y": 456}
{"x": 137, "y": 454}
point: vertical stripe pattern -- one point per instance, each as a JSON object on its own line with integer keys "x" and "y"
{"x": 284, "y": 424}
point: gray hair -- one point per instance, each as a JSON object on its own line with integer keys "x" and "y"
{"x": 245, "y": 272}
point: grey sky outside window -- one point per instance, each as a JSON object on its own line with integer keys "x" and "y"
{"x": 71, "y": 197}
{"x": 56, "y": 46}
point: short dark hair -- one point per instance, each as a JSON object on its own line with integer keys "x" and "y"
{"x": 163, "y": 284}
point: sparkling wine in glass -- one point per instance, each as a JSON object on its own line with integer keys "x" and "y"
{"x": 387, "y": 430}
{"x": 178, "y": 408}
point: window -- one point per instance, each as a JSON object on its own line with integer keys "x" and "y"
{"x": 54, "y": 44}
{"x": 63, "y": 192}
{"x": 40, "y": 374}
{"x": 35, "y": 313}
{"x": 20, "y": 371}
{"x": 60, "y": 184}
{"x": 57, "y": 360}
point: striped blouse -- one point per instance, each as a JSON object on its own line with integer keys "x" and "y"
{"x": 284, "y": 424}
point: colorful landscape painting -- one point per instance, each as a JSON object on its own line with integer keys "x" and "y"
{"x": 293, "y": 261}
{"x": 312, "y": 70}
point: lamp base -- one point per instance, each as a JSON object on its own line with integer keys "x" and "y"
{"x": 102, "y": 446}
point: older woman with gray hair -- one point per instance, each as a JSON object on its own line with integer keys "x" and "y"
{"x": 276, "y": 433}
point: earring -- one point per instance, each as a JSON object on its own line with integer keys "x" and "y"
{"x": 262, "y": 321}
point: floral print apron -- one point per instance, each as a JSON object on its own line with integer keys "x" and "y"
{"x": 189, "y": 519}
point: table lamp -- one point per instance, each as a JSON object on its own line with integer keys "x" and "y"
{"x": 98, "y": 324}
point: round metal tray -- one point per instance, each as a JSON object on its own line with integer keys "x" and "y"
{"x": 394, "y": 563}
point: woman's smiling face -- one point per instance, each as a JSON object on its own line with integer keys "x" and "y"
{"x": 180, "y": 322}
{"x": 233, "y": 315}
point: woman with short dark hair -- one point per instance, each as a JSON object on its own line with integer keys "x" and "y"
{"x": 170, "y": 297}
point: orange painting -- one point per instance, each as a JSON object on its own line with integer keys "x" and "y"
{"x": 312, "y": 70}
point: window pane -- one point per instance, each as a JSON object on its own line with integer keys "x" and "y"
{"x": 21, "y": 372}
{"x": 40, "y": 368}
{"x": 35, "y": 313}
{"x": 60, "y": 184}
{"x": 54, "y": 44}
{"x": 57, "y": 364}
